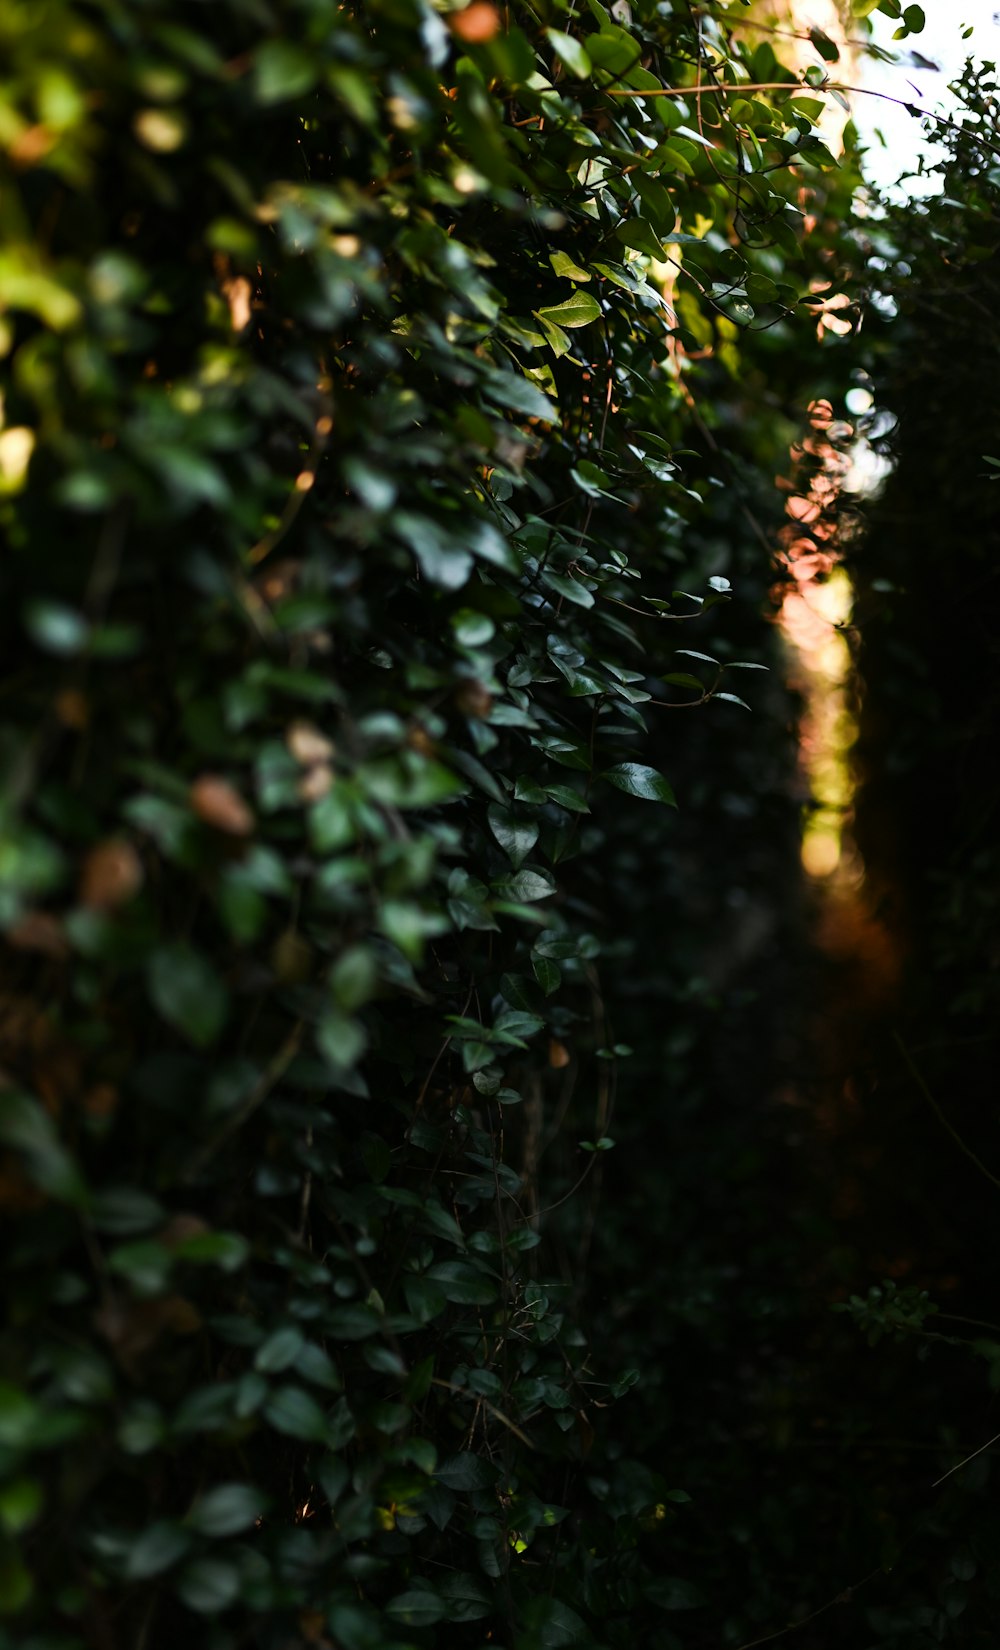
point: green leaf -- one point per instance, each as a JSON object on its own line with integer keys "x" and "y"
{"x": 408, "y": 781}
{"x": 283, "y": 71}
{"x": 279, "y": 1350}
{"x": 570, "y": 52}
{"x": 554, "y": 1625}
{"x": 57, "y": 628}
{"x": 353, "y": 1323}
{"x": 576, "y": 311}
{"x": 466, "y": 1472}
{"x": 156, "y": 1549}
{"x": 441, "y": 559}
{"x": 463, "y": 1284}
{"x": 509, "y": 389}
{"x": 515, "y": 834}
{"x": 227, "y": 1250}
{"x": 208, "y": 1585}
{"x": 341, "y": 1039}
{"x": 640, "y": 236}
{"x": 527, "y": 886}
{"x": 614, "y": 49}
{"x": 547, "y": 973}
{"x": 572, "y": 589}
{"x": 465, "y": 1598}
{"x": 558, "y": 341}
{"x": 226, "y": 1509}
{"x": 27, "y": 1127}
{"x": 590, "y": 479}
{"x": 472, "y": 629}
{"x": 824, "y": 45}
{"x": 568, "y": 798}
{"x": 424, "y": 1298}
{"x": 354, "y": 977}
{"x": 419, "y": 1607}
{"x": 186, "y": 990}
{"x": 293, "y": 1411}
{"x": 637, "y": 780}
{"x": 21, "y": 1501}
{"x": 564, "y": 265}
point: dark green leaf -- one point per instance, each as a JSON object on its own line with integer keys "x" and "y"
{"x": 208, "y": 1585}
{"x": 466, "y": 1472}
{"x": 186, "y": 989}
{"x": 226, "y": 1509}
{"x": 635, "y": 779}
{"x": 291, "y": 1410}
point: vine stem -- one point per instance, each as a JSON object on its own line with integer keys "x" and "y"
{"x": 918, "y": 1078}
{"x": 800, "y": 86}
{"x": 844, "y": 1597}
{"x": 498, "y": 1415}
{"x": 271, "y": 1075}
{"x": 965, "y": 1463}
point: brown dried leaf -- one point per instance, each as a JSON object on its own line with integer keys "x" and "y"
{"x": 112, "y": 874}
{"x": 220, "y": 805}
{"x": 474, "y": 700}
{"x": 39, "y": 931}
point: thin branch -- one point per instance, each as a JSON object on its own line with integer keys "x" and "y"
{"x": 844, "y": 1597}
{"x": 965, "y": 1463}
{"x": 271, "y": 1075}
{"x": 645, "y": 613}
{"x": 794, "y": 86}
{"x": 976, "y": 1323}
{"x": 498, "y": 1415}
{"x": 918, "y": 1078}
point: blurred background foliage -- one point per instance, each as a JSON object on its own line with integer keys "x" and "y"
{"x": 418, "y": 1230}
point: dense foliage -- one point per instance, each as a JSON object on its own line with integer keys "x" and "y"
{"x": 377, "y": 380}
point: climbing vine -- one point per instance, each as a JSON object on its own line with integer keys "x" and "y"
{"x": 374, "y": 497}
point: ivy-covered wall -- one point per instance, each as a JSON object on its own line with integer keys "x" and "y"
{"x": 391, "y": 397}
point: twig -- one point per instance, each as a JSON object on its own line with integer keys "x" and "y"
{"x": 645, "y": 613}
{"x": 271, "y": 1074}
{"x": 303, "y": 484}
{"x": 939, "y": 1114}
{"x": 805, "y": 86}
{"x": 843, "y": 1597}
{"x": 306, "y": 1198}
{"x": 965, "y": 1463}
{"x": 498, "y": 1415}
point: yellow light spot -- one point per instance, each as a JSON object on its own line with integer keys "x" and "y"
{"x": 238, "y": 295}
{"x": 16, "y": 447}
{"x": 161, "y": 130}
{"x": 821, "y": 849}
{"x": 810, "y": 616}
